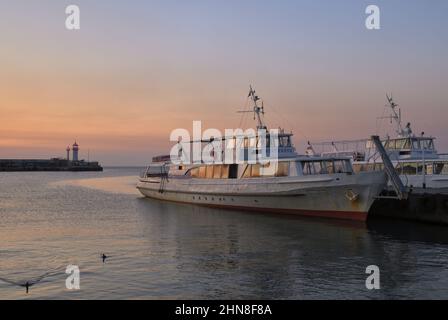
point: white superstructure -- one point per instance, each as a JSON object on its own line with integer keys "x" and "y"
{"x": 414, "y": 157}
{"x": 308, "y": 185}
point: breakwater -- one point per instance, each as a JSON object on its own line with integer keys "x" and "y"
{"x": 54, "y": 164}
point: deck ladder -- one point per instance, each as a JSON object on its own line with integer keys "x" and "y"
{"x": 395, "y": 179}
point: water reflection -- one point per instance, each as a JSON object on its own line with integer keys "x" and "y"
{"x": 408, "y": 231}
{"x": 166, "y": 250}
{"x": 241, "y": 254}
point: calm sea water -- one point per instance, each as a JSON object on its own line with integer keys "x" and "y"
{"x": 162, "y": 250}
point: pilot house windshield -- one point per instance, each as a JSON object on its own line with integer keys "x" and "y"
{"x": 326, "y": 167}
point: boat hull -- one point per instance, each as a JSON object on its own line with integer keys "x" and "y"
{"x": 340, "y": 196}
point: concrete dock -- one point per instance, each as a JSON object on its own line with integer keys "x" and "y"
{"x": 429, "y": 207}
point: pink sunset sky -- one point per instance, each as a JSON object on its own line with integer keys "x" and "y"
{"x": 137, "y": 70}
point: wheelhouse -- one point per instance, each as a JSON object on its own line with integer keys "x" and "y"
{"x": 414, "y": 143}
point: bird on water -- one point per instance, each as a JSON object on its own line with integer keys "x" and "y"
{"x": 27, "y": 284}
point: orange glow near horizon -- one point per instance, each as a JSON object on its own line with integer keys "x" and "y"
{"x": 120, "y": 89}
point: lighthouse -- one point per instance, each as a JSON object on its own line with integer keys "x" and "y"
{"x": 68, "y": 153}
{"x": 75, "y": 149}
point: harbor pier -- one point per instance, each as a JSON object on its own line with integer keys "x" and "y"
{"x": 54, "y": 164}
{"x": 429, "y": 207}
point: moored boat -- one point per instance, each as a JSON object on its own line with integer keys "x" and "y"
{"x": 415, "y": 158}
{"x": 287, "y": 183}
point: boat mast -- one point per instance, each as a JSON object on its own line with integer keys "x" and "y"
{"x": 396, "y": 116}
{"x": 256, "y": 109}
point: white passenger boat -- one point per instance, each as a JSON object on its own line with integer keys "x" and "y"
{"x": 415, "y": 158}
{"x": 290, "y": 183}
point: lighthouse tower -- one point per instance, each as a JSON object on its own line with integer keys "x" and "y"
{"x": 75, "y": 149}
{"x": 68, "y": 153}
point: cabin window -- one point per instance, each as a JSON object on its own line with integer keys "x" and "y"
{"x": 255, "y": 170}
{"x": 389, "y": 144}
{"x": 420, "y": 168}
{"x": 252, "y": 171}
{"x": 194, "y": 172}
{"x": 415, "y": 144}
{"x": 444, "y": 168}
{"x": 282, "y": 169}
{"x": 246, "y": 173}
{"x": 307, "y": 168}
{"x": 317, "y": 167}
{"x": 400, "y": 144}
{"x": 439, "y": 168}
{"x": 427, "y": 144}
{"x": 233, "y": 171}
{"x": 397, "y": 144}
{"x": 407, "y": 144}
{"x": 348, "y": 166}
{"x": 358, "y": 168}
{"x": 216, "y": 172}
{"x": 277, "y": 169}
{"x": 409, "y": 168}
{"x": 202, "y": 172}
{"x": 338, "y": 166}
{"x": 428, "y": 166}
{"x": 374, "y": 167}
{"x": 371, "y": 167}
{"x": 224, "y": 171}
{"x": 327, "y": 167}
{"x": 343, "y": 166}
{"x": 211, "y": 172}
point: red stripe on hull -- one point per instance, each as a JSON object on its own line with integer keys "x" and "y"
{"x": 344, "y": 215}
{"x": 341, "y": 215}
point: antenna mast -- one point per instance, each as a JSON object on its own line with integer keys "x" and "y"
{"x": 256, "y": 109}
{"x": 396, "y": 115}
